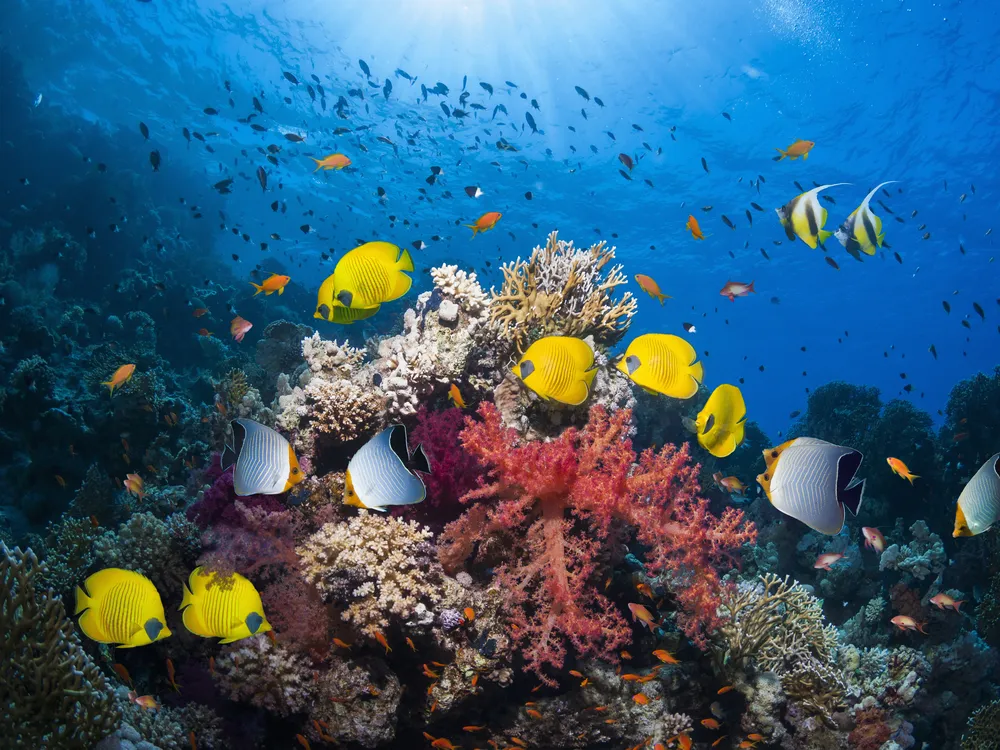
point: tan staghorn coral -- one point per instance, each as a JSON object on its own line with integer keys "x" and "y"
{"x": 382, "y": 568}
{"x": 777, "y": 626}
{"x": 51, "y": 693}
{"x": 561, "y": 289}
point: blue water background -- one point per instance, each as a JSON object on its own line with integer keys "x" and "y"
{"x": 888, "y": 90}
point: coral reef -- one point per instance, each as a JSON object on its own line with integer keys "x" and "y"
{"x": 924, "y": 556}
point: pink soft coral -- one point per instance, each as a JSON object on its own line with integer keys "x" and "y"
{"x": 561, "y": 503}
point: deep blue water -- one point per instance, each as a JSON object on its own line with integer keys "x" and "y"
{"x": 888, "y": 91}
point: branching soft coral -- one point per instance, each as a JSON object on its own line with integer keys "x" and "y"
{"x": 561, "y": 502}
{"x": 454, "y": 470}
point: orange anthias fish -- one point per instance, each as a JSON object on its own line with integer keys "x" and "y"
{"x": 409, "y": 642}
{"x": 641, "y": 698}
{"x": 665, "y": 656}
{"x": 332, "y": 161}
{"x": 732, "y": 485}
{"x": 797, "y": 149}
{"x": 273, "y": 283}
{"x": 147, "y": 702}
{"x": 303, "y": 741}
{"x": 456, "y": 396}
{"x": 340, "y": 643}
{"x": 170, "y": 676}
{"x": 644, "y": 589}
{"x": 943, "y": 601}
{"x": 485, "y": 222}
{"x": 204, "y": 332}
{"x": 122, "y": 375}
{"x": 383, "y": 642}
{"x": 904, "y": 622}
{"x": 639, "y": 612}
{"x": 650, "y": 287}
{"x": 710, "y": 723}
{"x": 900, "y": 469}
{"x": 194, "y": 745}
{"x": 211, "y": 665}
{"x": 692, "y": 226}
{"x": 134, "y": 484}
{"x": 122, "y": 672}
{"x": 823, "y": 562}
{"x": 444, "y": 743}
{"x": 734, "y": 289}
{"x": 239, "y": 327}
{"x": 683, "y": 741}
{"x": 873, "y": 538}
{"x": 199, "y": 311}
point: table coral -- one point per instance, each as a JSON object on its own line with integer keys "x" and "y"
{"x": 557, "y": 507}
{"x": 563, "y": 290}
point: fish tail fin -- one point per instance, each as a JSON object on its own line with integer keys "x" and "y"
{"x": 958, "y": 604}
{"x": 920, "y": 627}
{"x": 473, "y": 227}
{"x": 228, "y": 457}
{"x": 319, "y": 165}
{"x": 111, "y": 387}
{"x": 257, "y": 287}
{"x": 83, "y": 601}
{"x": 661, "y": 296}
{"x": 751, "y": 289}
{"x": 911, "y": 477}
{"x": 783, "y": 154}
{"x": 824, "y": 236}
{"x": 405, "y": 262}
{"x": 852, "y": 496}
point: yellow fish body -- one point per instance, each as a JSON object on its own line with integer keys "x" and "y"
{"x": 721, "y": 424}
{"x": 804, "y": 218}
{"x": 229, "y": 609}
{"x": 558, "y": 368}
{"x": 862, "y": 232}
{"x": 663, "y": 363}
{"x": 121, "y": 607}
{"x": 367, "y": 276}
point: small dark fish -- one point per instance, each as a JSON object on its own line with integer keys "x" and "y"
{"x": 262, "y": 178}
{"x": 625, "y": 174}
{"x": 794, "y": 414}
{"x": 274, "y": 206}
{"x": 291, "y": 78}
{"x": 306, "y": 229}
{"x": 223, "y": 186}
{"x": 528, "y": 195}
{"x": 210, "y": 111}
{"x": 979, "y": 310}
{"x": 832, "y": 263}
{"x": 473, "y": 191}
{"x": 922, "y": 227}
{"x": 946, "y": 306}
{"x": 966, "y": 324}
{"x": 898, "y": 259}
{"x": 796, "y": 182}
{"x": 531, "y": 122}
{"x": 727, "y": 116}
{"x": 611, "y": 135}
{"x": 887, "y": 209}
{"x": 257, "y": 128}
{"x": 598, "y": 102}
{"x": 638, "y": 129}
{"x": 764, "y": 253}
{"x": 972, "y": 188}
{"x": 387, "y": 89}
{"x": 154, "y": 160}
{"x": 627, "y": 161}
{"x": 704, "y": 164}
{"x": 582, "y": 92}
{"x": 933, "y": 350}
{"x": 962, "y": 197}
{"x": 486, "y": 87}
{"x": 534, "y": 105}
{"x": 749, "y": 217}
{"x": 926, "y": 236}
{"x": 829, "y": 199}
{"x": 728, "y": 222}
{"x": 187, "y": 134}
{"x": 755, "y": 207}
{"x": 294, "y": 137}
{"x": 707, "y": 208}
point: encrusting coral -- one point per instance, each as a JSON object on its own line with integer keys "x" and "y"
{"x": 564, "y": 290}
{"x": 51, "y": 694}
{"x": 555, "y": 508}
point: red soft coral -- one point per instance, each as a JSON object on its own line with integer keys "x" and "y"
{"x": 561, "y": 504}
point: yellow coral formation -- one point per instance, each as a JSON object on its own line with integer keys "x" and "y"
{"x": 562, "y": 290}
{"x": 382, "y": 567}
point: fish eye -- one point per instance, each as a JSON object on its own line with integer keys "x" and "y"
{"x": 295, "y": 470}
{"x": 774, "y": 454}
{"x": 767, "y": 478}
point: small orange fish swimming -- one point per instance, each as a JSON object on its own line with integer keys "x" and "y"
{"x": 485, "y": 222}
{"x": 239, "y": 328}
{"x": 734, "y": 289}
{"x": 472, "y": 728}
{"x": 823, "y": 562}
{"x": 665, "y": 656}
{"x": 409, "y": 642}
{"x": 710, "y": 723}
{"x": 755, "y": 736}
{"x": 134, "y": 484}
{"x": 122, "y": 375}
{"x": 444, "y": 744}
{"x": 943, "y": 601}
{"x": 194, "y": 745}
{"x": 641, "y": 698}
{"x": 303, "y": 741}
{"x": 650, "y": 287}
{"x": 639, "y": 612}
{"x": 170, "y": 676}
{"x": 874, "y": 538}
{"x": 534, "y": 713}
{"x": 645, "y": 589}
{"x": 904, "y": 622}
{"x": 900, "y": 469}
{"x": 797, "y": 149}
{"x": 147, "y": 702}
{"x": 211, "y": 665}
{"x": 724, "y": 689}
{"x": 470, "y": 614}
{"x": 692, "y": 226}
{"x": 122, "y": 672}
{"x": 204, "y": 332}
{"x": 456, "y": 396}
{"x": 273, "y": 283}
{"x": 383, "y": 642}
{"x": 332, "y": 161}
{"x": 732, "y": 485}
{"x": 60, "y": 481}
{"x": 199, "y": 311}
{"x": 340, "y": 643}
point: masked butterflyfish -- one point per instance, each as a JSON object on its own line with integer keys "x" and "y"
{"x": 663, "y": 363}
{"x": 979, "y": 503}
{"x": 558, "y": 368}
{"x": 720, "y": 425}
{"x": 367, "y": 276}
{"x": 265, "y": 461}
{"x": 813, "y": 481}
{"x": 228, "y": 608}
{"x": 121, "y": 607}
{"x": 382, "y": 472}
{"x": 804, "y": 218}
{"x": 862, "y": 232}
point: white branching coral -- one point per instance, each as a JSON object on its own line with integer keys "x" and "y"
{"x": 331, "y": 357}
{"x": 382, "y": 568}
{"x": 565, "y": 290}
{"x": 461, "y": 287}
{"x": 265, "y": 675}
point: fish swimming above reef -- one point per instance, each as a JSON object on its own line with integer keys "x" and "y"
{"x": 273, "y": 283}
{"x": 663, "y": 363}
{"x": 382, "y": 473}
{"x": 231, "y": 610}
{"x": 804, "y": 218}
{"x": 797, "y": 149}
{"x": 979, "y": 504}
{"x": 558, "y": 368}
{"x": 121, "y": 607}
{"x": 862, "y": 232}
{"x": 485, "y": 222}
{"x": 332, "y": 161}
{"x": 721, "y": 424}
{"x": 813, "y": 481}
{"x": 367, "y": 276}
{"x": 265, "y": 462}
{"x": 122, "y": 375}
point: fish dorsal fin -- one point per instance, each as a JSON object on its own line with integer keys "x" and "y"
{"x": 816, "y": 190}
{"x": 231, "y": 453}
{"x": 849, "y": 490}
{"x": 397, "y": 443}
{"x": 875, "y": 189}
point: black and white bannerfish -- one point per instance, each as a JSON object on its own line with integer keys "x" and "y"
{"x": 265, "y": 461}
{"x": 382, "y": 472}
{"x": 862, "y": 232}
{"x": 979, "y": 504}
{"x": 813, "y": 481}
{"x": 804, "y": 218}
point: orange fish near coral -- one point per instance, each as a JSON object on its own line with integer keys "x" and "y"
{"x": 204, "y": 332}
{"x": 170, "y": 676}
{"x": 303, "y": 741}
{"x": 873, "y": 538}
{"x": 456, "y": 396}
{"x": 239, "y": 328}
{"x": 134, "y": 484}
{"x": 900, "y": 469}
{"x": 199, "y": 311}
{"x": 650, "y": 287}
{"x": 383, "y": 642}
{"x": 123, "y": 673}
{"x": 639, "y": 612}
{"x": 122, "y": 375}
{"x": 641, "y": 698}
{"x": 823, "y": 562}
{"x": 273, "y": 283}
{"x": 710, "y": 723}
{"x": 470, "y": 614}
{"x": 665, "y": 656}
{"x": 732, "y": 485}
{"x": 485, "y": 222}
{"x": 943, "y": 601}
{"x": 341, "y": 644}
{"x": 333, "y": 161}
{"x": 734, "y": 289}
{"x": 797, "y": 149}
{"x": 147, "y": 702}
{"x": 692, "y": 226}
{"x": 904, "y": 622}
